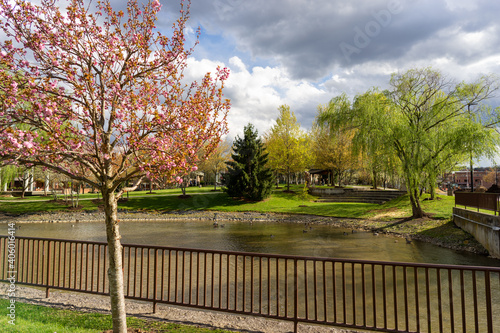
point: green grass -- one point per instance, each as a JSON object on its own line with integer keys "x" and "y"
{"x": 41, "y": 319}
{"x": 440, "y": 209}
{"x": 279, "y": 202}
{"x": 25, "y": 206}
{"x": 292, "y": 203}
{"x": 171, "y": 191}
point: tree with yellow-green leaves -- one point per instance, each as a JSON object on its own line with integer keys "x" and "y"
{"x": 288, "y": 146}
{"x": 333, "y": 146}
{"x": 376, "y": 152}
{"x": 216, "y": 163}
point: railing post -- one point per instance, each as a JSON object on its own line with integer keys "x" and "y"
{"x": 48, "y": 263}
{"x": 497, "y": 204}
{"x": 296, "y": 297}
{"x": 489, "y": 313}
{"x": 155, "y": 274}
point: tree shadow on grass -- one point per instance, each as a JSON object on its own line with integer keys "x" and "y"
{"x": 174, "y": 203}
{"x": 391, "y": 225}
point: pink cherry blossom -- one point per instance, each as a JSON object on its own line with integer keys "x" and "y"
{"x": 28, "y": 144}
{"x": 107, "y": 106}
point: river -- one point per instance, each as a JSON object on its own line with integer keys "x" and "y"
{"x": 264, "y": 237}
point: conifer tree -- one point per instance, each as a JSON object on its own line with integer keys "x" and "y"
{"x": 248, "y": 175}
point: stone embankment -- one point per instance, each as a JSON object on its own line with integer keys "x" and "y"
{"x": 124, "y": 215}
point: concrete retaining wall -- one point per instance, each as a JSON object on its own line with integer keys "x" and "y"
{"x": 484, "y": 227}
{"x": 326, "y": 191}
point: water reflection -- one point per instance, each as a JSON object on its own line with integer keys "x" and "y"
{"x": 277, "y": 238}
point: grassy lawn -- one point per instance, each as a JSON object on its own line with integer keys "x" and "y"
{"x": 205, "y": 199}
{"x": 171, "y": 191}
{"x": 387, "y": 217}
{"x": 41, "y": 319}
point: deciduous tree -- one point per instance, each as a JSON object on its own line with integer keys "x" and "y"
{"x": 333, "y": 145}
{"x": 7, "y": 175}
{"x": 103, "y": 90}
{"x": 425, "y": 120}
{"x": 216, "y": 162}
{"x": 433, "y": 124}
{"x": 287, "y": 144}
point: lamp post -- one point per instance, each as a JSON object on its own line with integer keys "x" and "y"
{"x": 471, "y": 167}
{"x": 471, "y": 174}
{"x": 496, "y": 174}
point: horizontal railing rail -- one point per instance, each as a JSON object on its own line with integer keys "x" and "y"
{"x": 369, "y": 295}
{"x": 487, "y": 201}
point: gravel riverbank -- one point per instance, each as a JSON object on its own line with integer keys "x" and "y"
{"x": 124, "y": 215}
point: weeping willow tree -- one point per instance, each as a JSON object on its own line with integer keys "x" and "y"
{"x": 425, "y": 120}
{"x": 7, "y": 174}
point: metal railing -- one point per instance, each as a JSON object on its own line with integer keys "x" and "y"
{"x": 487, "y": 201}
{"x": 371, "y": 295}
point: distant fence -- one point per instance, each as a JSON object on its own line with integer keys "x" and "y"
{"x": 368, "y": 295}
{"x": 487, "y": 201}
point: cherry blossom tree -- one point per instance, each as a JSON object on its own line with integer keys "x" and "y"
{"x": 103, "y": 90}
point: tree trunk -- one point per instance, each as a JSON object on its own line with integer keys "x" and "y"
{"x": 115, "y": 271}
{"x": 215, "y": 180}
{"x": 77, "y": 197}
{"x": 374, "y": 175}
{"x": 417, "y": 211}
{"x": 288, "y": 179}
{"x": 183, "y": 188}
{"x": 432, "y": 186}
{"x": 432, "y": 191}
{"x": 45, "y": 185}
{"x": 25, "y": 186}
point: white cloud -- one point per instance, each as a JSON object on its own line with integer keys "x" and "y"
{"x": 461, "y": 5}
{"x": 257, "y": 93}
{"x": 289, "y": 52}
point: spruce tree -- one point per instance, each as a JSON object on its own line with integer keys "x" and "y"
{"x": 248, "y": 175}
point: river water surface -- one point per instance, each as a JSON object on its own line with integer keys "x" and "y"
{"x": 264, "y": 237}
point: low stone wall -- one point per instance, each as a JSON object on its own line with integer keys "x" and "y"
{"x": 326, "y": 191}
{"x": 484, "y": 227}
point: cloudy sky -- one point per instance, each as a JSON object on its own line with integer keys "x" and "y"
{"x": 304, "y": 52}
